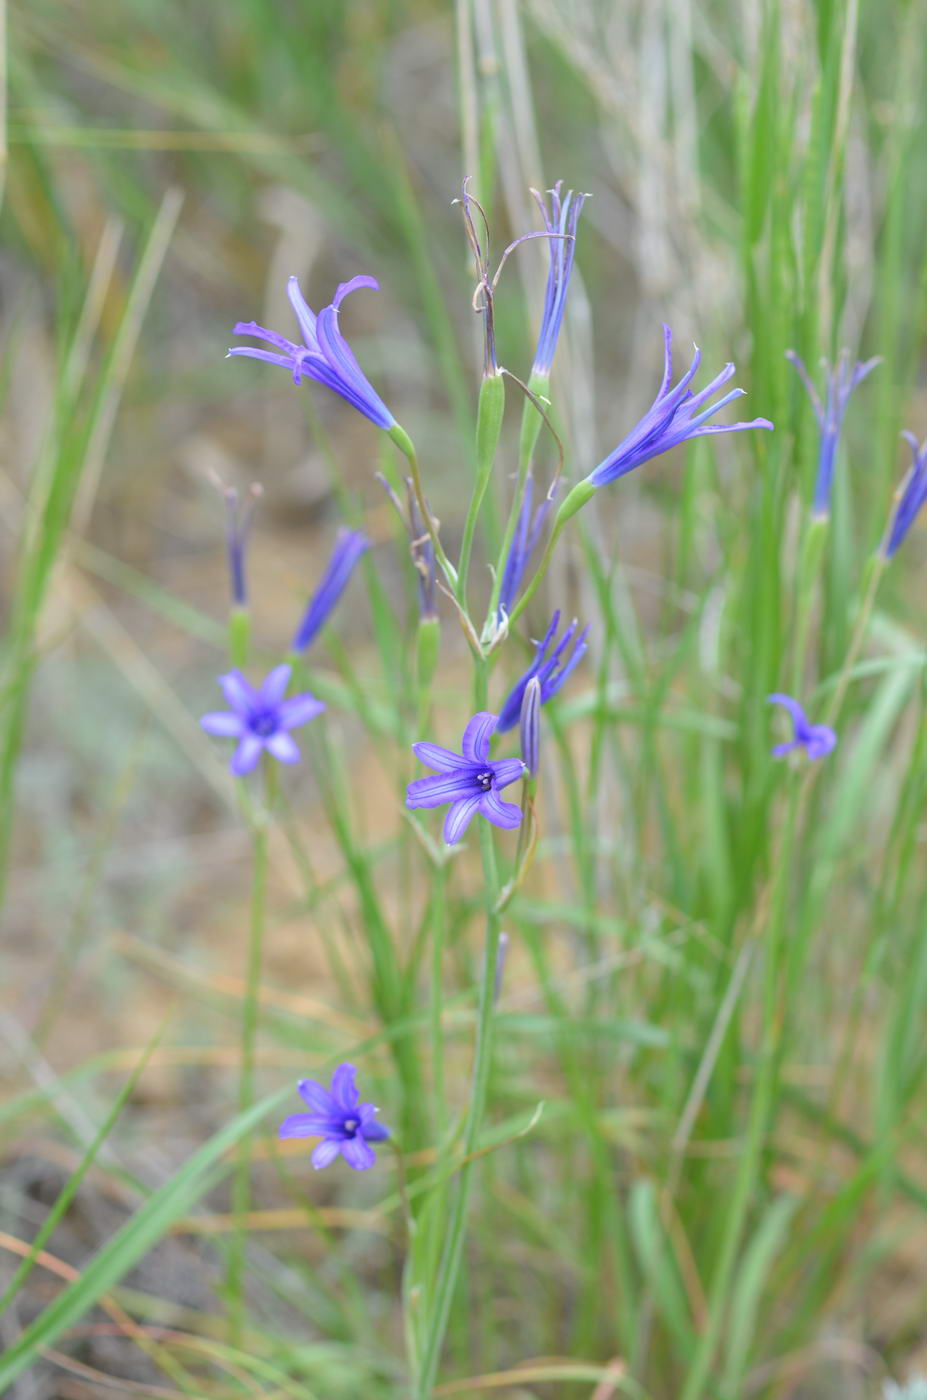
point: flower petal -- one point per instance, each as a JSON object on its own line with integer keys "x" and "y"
{"x": 476, "y": 736}
{"x": 441, "y": 760}
{"x": 504, "y": 814}
{"x": 286, "y": 347}
{"x": 222, "y": 722}
{"x": 345, "y": 288}
{"x": 316, "y": 1096}
{"x": 445, "y": 787}
{"x": 283, "y": 747}
{"x": 793, "y": 707}
{"x": 781, "y": 750}
{"x": 821, "y": 741}
{"x": 299, "y": 709}
{"x": 344, "y": 1090}
{"x": 274, "y": 687}
{"x": 358, "y": 1154}
{"x": 506, "y": 771}
{"x": 460, "y": 816}
{"x": 326, "y": 1152}
{"x": 300, "y": 1125}
{"x": 239, "y": 693}
{"x": 252, "y": 353}
{"x": 374, "y": 1131}
{"x": 246, "y": 756}
{"x": 304, "y": 313}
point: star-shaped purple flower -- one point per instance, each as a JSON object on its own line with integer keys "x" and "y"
{"x": 261, "y": 719}
{"x": 324, "y": 354}
{"x": 818, "y": 740}
{"x": 345, "y": 1125}
{"x": 672, "y": 418}
{"x": 470, "y": 781}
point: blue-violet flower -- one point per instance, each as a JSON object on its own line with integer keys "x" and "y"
{"x": 345, "y": 1125}
{"x": 524, "y": 541}
{"x": 349, "y": 546}
{"x": 324, "y": 355}
{"x": 910, "y": 498}
{"x": 550, "y": 670}
{"x": 560, "y": 221}
{"x": 261, "y": 719}
{"x": 841, "y": 381}
{"x": 816, "y": 739}
{"x": 672, "y": 418}
{"x": 470, "y": 781}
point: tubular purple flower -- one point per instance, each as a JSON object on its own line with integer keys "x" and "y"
{"x": 909, "y": 499}
{"x": 239, "y": 515}
{"x": 841, "y": 381}
{"x": 261, "y": 719}
{"x": 324, "y": 354}
{"x": 530, "y": 726}
{"x": 672, "y": 418}
{"x": 561, "y": 220}
{"x": 818, "y": 740}
{"x": 551, "y": 671}
{"x": 349, "y": 546}
{"x": 524, "y": 541}
{"x": 346, "y": 1126}
{"x": 470, "y": 781}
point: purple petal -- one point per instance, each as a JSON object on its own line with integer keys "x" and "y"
{"x": 441, "y": 760}
{"x": 344, "y": 1090}
{"x": 434, "y": 792}
{"x": 252, "y": 353}
{"x": 781, "y": 750}
{"x": 326, "y": 1152}
{"x": 374, "y": 1132}
{"x": 299, "y": 709}
{"x": 358, "y": 1154}
{"x": 460, "y": 817}
{"x": 246, "y": 756}
{"x": 300, "y": 1125}
{"x": 732, "y": 427}
{"x": 504, "y": 814}
{"x": 286, "y": 347}
{"x": 316, "y": 1096}
{"x": 793, "y": 707}
{"x": 304, "y": 314}
{"x": 476, "y": 736}
{"x": 821, "y": 741}
{"x": 506, "y": 771}
{"x": 274, "y": 687}
{"x": 351, "y": 381}
{"x": 283, "y": 748}
{"x": 222, "y": 722}
{"x": 238, "y": 692}
{"x": 345, "y": 288}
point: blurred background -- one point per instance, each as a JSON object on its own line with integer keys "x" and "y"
{"x": 757, "y": 180}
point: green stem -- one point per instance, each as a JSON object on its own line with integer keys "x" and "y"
{"x": 488, "y": 427}
{"x": 241, "y": 1184}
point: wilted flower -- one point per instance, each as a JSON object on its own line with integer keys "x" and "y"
{"x": 911, "y": 496}
{"x": 841, "y": 381}
{"x": 261, "y": 719}
{"x": 672, "y": 418}
{"x": 349, "y": 546}
{"x": 816, "y": 739}
{"x": 530, "y": 726}
{"x": 337, "y": 1116}
{"x": 470, "y": 781}
{"x": 324, "y": 355}
{"x": 527, "y": 533}
{"x": 551, "y": 670}
{"x": 560, "y": 221}
{"x": 239, "y": 514}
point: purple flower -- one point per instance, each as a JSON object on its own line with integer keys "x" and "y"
{"x": 672, "y": 418}
{"x": 261, "y": 719}
{"x": 524, "y": 541}
{"x": 349, "y": 546}
{"x": 911, "y": 496}
{"x": 337, "y": 1116}
{"x": 816, "y": 739}
{"x": 561, "y": 220}
{"x": 471, "y": 782}
{"x": 551, "y": 670}
{"x": 324, "y": 355}
{"x": 841, "y": 381}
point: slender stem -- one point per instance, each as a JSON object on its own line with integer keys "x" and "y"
{"x": 407, "y": 448}
{"x": 488, "y": 427}
{"x": 438, "y": 927}
{"x": 856, "y": 641}
{"x": 241, "y": 1184}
